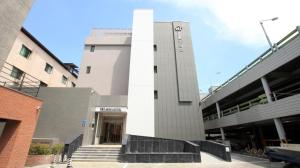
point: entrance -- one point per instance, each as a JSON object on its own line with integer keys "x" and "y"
{"x": 111, "y": 129}
{"x": 112, "y": 132}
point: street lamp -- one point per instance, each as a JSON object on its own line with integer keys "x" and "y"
{"x": 269, "y": 41}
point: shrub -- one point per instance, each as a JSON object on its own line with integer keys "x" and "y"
{"x": 57, "y": 149}
{"x": 45, "y": 149}
{"x": 39, "y": 149}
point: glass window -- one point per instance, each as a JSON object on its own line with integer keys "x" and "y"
{"x": 25, "y": 52}
{"x": 64, "y": 79}
{"x": 43, "y": 84}
{"x": 48, "y": 68}
{"x": 88, "y": 69}
{"x": 155, "y": 94}
{"x": 155, "y": 69}
{"x": 16, "y": 73}
{"x": 92, "y": 48}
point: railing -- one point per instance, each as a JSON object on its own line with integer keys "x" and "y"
{"x": 71, "y": 147}
{"x": 14, "y": 78}
{"x": 292, "y": 35}
{"x": 262, "y": 99}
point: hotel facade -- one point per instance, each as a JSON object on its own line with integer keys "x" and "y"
{"x": 141, "y": 82}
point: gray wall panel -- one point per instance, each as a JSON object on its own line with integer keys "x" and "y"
{"x": 281, "y": 108}
{"x": 62, "y": 112}
{"x": 279, "y": 58}
{"x": 64, "y": 109}
{"x": 174, "y": 119}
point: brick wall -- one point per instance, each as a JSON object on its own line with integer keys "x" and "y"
{"x": 34, "y": 160}
{"x": 21, "y": 114}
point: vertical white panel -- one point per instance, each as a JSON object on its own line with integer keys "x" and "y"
{"x": 140, "y": 117}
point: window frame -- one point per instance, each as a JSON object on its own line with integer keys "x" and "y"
{"x": 26, "y": 54}
{"x": 48, "y": 66}
{"x": 155, "y": 47}
{"x": 88, "y": 69}
{"x": 16, "y": 73}
{"x": 64, "y": 79}
{"x": 92, "y": 49}
{"x": 155, "y": 94}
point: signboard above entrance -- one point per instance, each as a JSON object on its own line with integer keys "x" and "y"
{"x": 111, "y": 109}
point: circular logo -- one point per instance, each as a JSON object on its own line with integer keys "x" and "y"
{"x": 178, "y": 28}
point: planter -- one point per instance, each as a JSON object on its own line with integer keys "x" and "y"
{"x": 34, "y": 160}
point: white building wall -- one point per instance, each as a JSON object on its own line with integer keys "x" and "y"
{"x": 109, "y": 61}
{"x": 140, "y": 117}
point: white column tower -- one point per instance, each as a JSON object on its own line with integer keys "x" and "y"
{"x": 140, "y": 116}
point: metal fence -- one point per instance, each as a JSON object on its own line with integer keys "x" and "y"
{"x": 14, "y": 78}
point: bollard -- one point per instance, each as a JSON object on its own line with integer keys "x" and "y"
{"x": 69, "y": 163}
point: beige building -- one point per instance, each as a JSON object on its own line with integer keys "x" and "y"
{"x": 29, "y": 56}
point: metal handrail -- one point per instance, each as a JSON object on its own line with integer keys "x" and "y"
{"x": 71, "y": 147}
{"x": 266, "y": 54}
{"x": 25, "y": 83}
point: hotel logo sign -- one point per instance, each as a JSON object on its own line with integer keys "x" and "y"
{"x": 178, "y": 28}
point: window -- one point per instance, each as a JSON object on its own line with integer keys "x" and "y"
{"x": 25, "y": 52}
{"x": 73, "y": 84}
{"x": 155, "y": 69}
{"x": 88, "y": 69}
{"x": 155, "y": 47}
{"x": 48, "y": 68}
{"x": 16, "y": 73}
{"x": 155, "y": 94}
{"x": 92, "y": 48}
{"x": 43, "y": 84}
{"x": 64, "y": 79}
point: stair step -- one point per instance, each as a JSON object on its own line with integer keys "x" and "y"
{"x": 86, "y": 149}
{"x": 95, "y": 160}
{"x": 97, "y": 154}
{"x": 92, "y": 154}
{"x": 95, "y": 157}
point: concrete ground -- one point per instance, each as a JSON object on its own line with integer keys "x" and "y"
{"x": 208, "y": 161}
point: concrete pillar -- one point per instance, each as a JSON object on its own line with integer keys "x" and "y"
{"x": 277, "y": 121}
{"x": 219, "y": 116}
{"x": 222, "y": 134}
{"x": 280, "y": 129}
{"x": 96, "y": 141}
{"x": 266, "y": 89}
{"x": 218, "y": 110}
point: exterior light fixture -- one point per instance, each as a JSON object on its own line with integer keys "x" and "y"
{"x": 273, "y": 48}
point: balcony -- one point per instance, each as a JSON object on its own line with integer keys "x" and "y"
{"x": 14, "y": 78}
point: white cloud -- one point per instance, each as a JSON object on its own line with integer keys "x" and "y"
{"x": 239, "y": 19}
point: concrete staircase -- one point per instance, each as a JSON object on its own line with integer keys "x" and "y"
{"x": 97, "y": 153}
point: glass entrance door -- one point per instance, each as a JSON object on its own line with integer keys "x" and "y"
{"x": 111, "y": 131}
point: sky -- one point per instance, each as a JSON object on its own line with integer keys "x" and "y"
{"x": 226, "y": 34}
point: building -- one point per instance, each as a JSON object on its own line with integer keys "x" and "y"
{"x": 140, "y": 81}
{"x": 12, "y": 16}
{"x": 29, "y": 56}
{"x": 18, "y": 117}
{"x": 19, "y": 111}
{"x": 259, "y": 106}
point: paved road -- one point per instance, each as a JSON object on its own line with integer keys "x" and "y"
{"x": 208, "y": 161}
